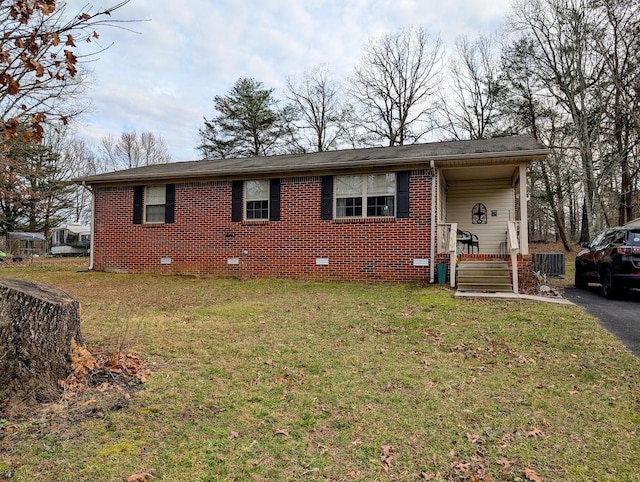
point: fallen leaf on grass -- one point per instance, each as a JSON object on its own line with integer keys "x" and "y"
{"x": 281, "y": 431}
{"x": 425, "y": 476}
{"x": 460, "y": 466}
{"x": 143, "y": 477}
{"x": 81, "y": 359}
{"x": 474, "y": 439}
{"x": 535, "y": 433}
{"x": 104, "y": 386}
{"x": 385, "y": 458}
{"x": 506, "y": 464}
{"x": 233, "y": 435}
{"x": 532, "y": 475}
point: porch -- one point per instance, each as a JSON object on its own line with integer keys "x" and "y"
{"x": 482, "y": 229}
{"x": 487, "y": 272}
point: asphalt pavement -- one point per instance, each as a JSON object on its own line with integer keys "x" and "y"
{"x": 620, "y": 316}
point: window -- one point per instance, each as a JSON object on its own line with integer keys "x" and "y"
{"x": 371, "y": 195}
{"x": 154, "y": 204}
{"x": 256, "y": 199}
{"x": 155, "y": 198}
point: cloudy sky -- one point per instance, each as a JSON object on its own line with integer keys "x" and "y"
{"x": 161, "y": 76}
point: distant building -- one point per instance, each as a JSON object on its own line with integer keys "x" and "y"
{"x": 23, "y": 244}
{"x": 70, "y": 239}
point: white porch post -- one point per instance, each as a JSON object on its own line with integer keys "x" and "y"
{"x": 453, "y": 253}
{"x": 524, "y": 219}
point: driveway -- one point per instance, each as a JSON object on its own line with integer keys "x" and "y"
{"x": 620, "y": 317}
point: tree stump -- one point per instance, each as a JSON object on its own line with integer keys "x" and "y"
{"x": 37, "y": 324}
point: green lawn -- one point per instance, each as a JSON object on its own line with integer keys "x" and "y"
{"x": 270, "y": 380}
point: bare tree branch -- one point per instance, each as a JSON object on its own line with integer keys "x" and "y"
{"x": 40, "y": 77}
{"x": 394, "y": 83}
{"x": 320, "y": 115}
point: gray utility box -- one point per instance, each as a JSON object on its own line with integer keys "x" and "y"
{"x": 551, "y": 264}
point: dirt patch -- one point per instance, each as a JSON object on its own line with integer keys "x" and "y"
{"x": 88, "y": 393}
{"x": 100, "y": 383}
{"x": 553, "y": 247}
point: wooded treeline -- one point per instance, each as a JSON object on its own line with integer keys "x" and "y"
{"x": 564, "y": 71}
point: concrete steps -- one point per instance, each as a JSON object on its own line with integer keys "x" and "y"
{"x": 484, "y": 276}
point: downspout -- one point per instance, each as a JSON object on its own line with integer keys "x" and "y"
{"x": 432, "y": 264}
{"x": 93, "y": 222}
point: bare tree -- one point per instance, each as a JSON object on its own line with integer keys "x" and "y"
{"x": 471, "y": 110}
{"x": 394, "y": 83}
{"x": 79, "y": 159}
{"x": 559, "y": 32}
{"x": 319, "y": 114}
{"x": 618, "y": 44}
{"x": 39, "y": 62}
{"x": 526, "y": 107}
{"x": 134, "y": 150}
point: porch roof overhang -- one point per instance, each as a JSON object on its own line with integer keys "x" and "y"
{"x": 514, "y": 150}
{"x": 506, "y": 165}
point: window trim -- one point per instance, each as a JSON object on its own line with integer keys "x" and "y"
{"x": 146, "y": 204}
{"x": 246, "y": 200}
{"x": 140, "y": 204}
{"x": 364, "y": 197}
{"x": 239, "y": 202}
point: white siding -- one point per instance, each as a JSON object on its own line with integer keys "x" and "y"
{"x": 497, "y": 195}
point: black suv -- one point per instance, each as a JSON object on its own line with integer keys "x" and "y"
{"x": 612, "y": 259}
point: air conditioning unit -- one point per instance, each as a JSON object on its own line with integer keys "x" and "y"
{"x": 551, "y": 264}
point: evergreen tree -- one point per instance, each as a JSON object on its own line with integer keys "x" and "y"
{"x": 33, "y": 193}
{"x": 248, "y": 123}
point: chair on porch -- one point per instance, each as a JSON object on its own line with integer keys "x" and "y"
{"x": 468, "y": 239}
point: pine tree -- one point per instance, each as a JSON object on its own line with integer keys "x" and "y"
{"x": 248, "y": 123}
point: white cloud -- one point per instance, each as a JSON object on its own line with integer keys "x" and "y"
{"x": 163, "y": 79}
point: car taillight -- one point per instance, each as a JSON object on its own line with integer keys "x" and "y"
{"x": 627, "y": 250}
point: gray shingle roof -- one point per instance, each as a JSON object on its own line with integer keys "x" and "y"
{"x": 519, "y": 147}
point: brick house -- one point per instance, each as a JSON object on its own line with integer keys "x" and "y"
{"x": 377, "y": 214}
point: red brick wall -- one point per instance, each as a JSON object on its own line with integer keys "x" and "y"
{"x": 203, "y": 236}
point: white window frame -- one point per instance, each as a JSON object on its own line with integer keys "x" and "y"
{"x": 256, "y": 197}
{"x": 365, "y": 194}
{"x": 152, "y": 199}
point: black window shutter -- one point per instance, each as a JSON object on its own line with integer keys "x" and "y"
{"x": 138, "y": 197}
{"x": 236, "y": 201}
{"x": 170, "y": 202}
{"x": 402, "y": 194}
{"x": 326, "y": 207}
{"x": 274, "y": 200}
